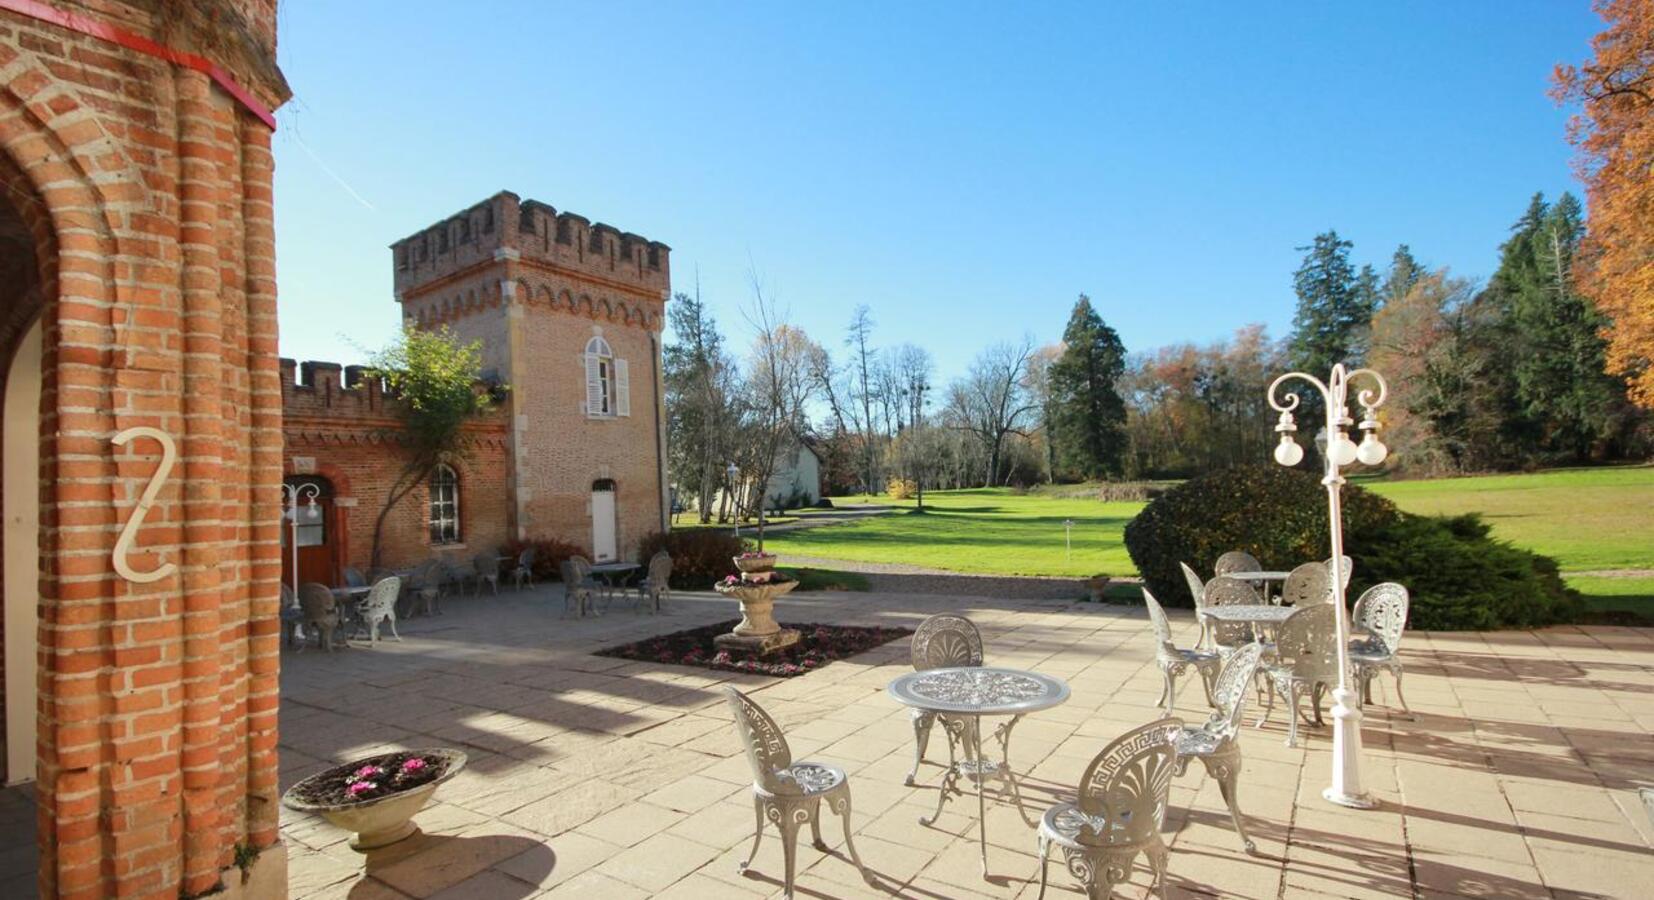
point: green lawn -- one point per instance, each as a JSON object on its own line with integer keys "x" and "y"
{"x": 1588, "y": 519}
{"x": 985, "y": 530}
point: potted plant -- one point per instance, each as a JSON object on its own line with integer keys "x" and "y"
{"x": 376, "y": 796}
{"x": 755, "y": 562}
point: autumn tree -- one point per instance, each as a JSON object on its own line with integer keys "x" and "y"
{"x": 1615, "y": 136}
{"x": 1088, "y": 416}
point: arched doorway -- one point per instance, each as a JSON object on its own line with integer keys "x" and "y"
{"x": 20, "y": 365}
{"x": 605, "y": 526}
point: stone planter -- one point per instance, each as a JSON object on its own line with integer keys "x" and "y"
{"x": 1097, "y": 585}
{"x": 757, "y": 606}
{"x": 381, "y": 821}
{"x": 761, "y": 563}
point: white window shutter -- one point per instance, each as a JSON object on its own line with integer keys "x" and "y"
{"x": 594, "y": 386}
{"x": 623, "y": 389}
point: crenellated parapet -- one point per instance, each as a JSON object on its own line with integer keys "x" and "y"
{"x": 328, "y": 402}
{"x": 535, "y": 236}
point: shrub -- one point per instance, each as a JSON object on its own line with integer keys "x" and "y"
{"x": 548, "y": 555}
{"x": 901, "y": 488}
{"x": 700, "y": 556}
{"x": 1458, "y": 576}
{"x": 1278, "y": 515}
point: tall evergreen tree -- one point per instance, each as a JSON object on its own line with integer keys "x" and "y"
{"x": 1334, "y": 306}
{"x": 1088, "y": 425}
{"x": 1571, "y": 407}
{"x": 1405, "y": 271}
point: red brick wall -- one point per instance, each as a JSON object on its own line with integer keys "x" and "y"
{"x": 157, "y": 750}
{"x": 345, "y": 435}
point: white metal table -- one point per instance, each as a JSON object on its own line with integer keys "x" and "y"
{"x": 1262, "y": 578}
{"x": 963, "y": 696}
{"x": 614, "y": 575}
{"x": 1262, "y": 617}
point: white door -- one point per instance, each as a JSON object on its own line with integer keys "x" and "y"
{"x": 22, "y": 552}
{"x": 603, "y": 526}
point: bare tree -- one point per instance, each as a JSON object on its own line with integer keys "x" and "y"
{"x": 862, "y": 364}
{"x": 993, "y": 400}
{"x": 781, "y": 382}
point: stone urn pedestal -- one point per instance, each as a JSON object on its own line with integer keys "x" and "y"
{"x": 757, "y": 634}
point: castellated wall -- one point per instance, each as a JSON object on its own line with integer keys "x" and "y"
{"x": 343, "y": 429}
{"x": 535, "y": 286}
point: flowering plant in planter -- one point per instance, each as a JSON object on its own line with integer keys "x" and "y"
{"x": 376, "y": 796}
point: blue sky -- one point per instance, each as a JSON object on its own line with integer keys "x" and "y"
{"x": 965, "y": 169}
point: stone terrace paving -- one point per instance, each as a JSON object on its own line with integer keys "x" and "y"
{"x": 596, "y": 777}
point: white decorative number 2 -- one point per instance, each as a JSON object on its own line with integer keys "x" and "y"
{"x": 129, "y": 533}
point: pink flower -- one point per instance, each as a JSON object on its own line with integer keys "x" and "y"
{"x": 359, "y": 788}
{"x": 413, "y": 765}
{"x": 730, "y": 579}
{"x": 369, "y": 771}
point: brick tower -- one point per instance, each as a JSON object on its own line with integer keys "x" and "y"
{"x": 570, "y": 316}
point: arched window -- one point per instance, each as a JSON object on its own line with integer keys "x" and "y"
{"x": 608, "y": 384}
{"x": 444, "y": 506}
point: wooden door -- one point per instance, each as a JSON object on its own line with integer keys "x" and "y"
{"x": 315, "y": 532}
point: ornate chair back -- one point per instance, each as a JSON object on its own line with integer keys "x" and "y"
{"x": 946, "y": 640}
{"x": 1124, "y": 790}
{"x": 1382, "y": 613}
{"x": 1197, "y": 590}
{"x": 1307, "y": 643}
{"x": 1235, "y": 561}
{"x": 381, "y": 599}
{"x": 487, "y": 565}
{"x": 660, "y": 568}
{"x": 1307, "y": 584}
{"x": 1346, "y": 566}
{"x": 582, "y": 567}
{"x": 1225, "y": 591}
{"x": 353, "y": 577}
{"x": 1162, "y": 627}
{"x": 317, "y": 601}
{"x": 766, "y": 746}
{"x": 1229, "y": 692}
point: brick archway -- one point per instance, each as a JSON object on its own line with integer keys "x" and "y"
{"x": 152, "y": 221}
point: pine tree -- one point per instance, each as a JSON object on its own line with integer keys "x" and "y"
{"x": 1088, "y": 425}
{"x": 1405, "y": 271}
{"x": 1334, "y": 306}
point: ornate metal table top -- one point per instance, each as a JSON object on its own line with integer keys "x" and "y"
{"x": 614, "y": 568}
{"x": 979, "y": 690}
{"x": 1250, "y": 612}
{"x": 1257, "y": 576}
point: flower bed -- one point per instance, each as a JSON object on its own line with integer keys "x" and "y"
{"x": 373, "y": 778}
{"x": 818, "y": 646}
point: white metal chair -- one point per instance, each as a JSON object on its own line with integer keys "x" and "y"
{"x": 578, "y": 591}
{"x": 1306, "y": 662}
{"x": 1119, "y": 810}
{"x": 379, "y": 606}
{"x": 1174, "y": 660}
{"x": 656, "y": 585}
{"x": 320, "y": 612}
{"x": 1235, "y": 561}
{"x": 487, "y": 566}
{"x": 942, "y": 641}
{"x": 1307, "y": 584}
{"x": 1228, "y": 637}
{"x": 292, "y": 615}
{"x": 1197, "y": 590}
{"x": 788, "y": 793}
{"x": 1382, "y": 614}
{"x": 524, "y": 572}
{"x": 1216, "y": 743}
{"x": 1347, "y": 566}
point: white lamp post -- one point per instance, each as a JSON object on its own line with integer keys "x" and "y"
{"x": 291, "y": 495}
{"x": 1346, "y": 789}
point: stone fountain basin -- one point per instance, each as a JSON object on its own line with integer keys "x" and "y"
{"x": 381, "y": 821}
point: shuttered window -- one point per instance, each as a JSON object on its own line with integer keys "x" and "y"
{"x": 608, "y": 381}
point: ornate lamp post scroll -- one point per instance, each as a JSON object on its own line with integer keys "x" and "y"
{"x": 1346, "y": 789}
{"x": 291, "y": 495}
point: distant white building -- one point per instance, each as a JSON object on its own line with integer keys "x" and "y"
{"x": 795, "y": 482}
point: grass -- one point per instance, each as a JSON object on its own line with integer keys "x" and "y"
{"x": 812, "y": 579}
{"x": 986, "y": 530}
{"x": 1587, "y": 519}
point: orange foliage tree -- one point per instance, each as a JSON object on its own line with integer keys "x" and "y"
{"x": 1615, "y": 136}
